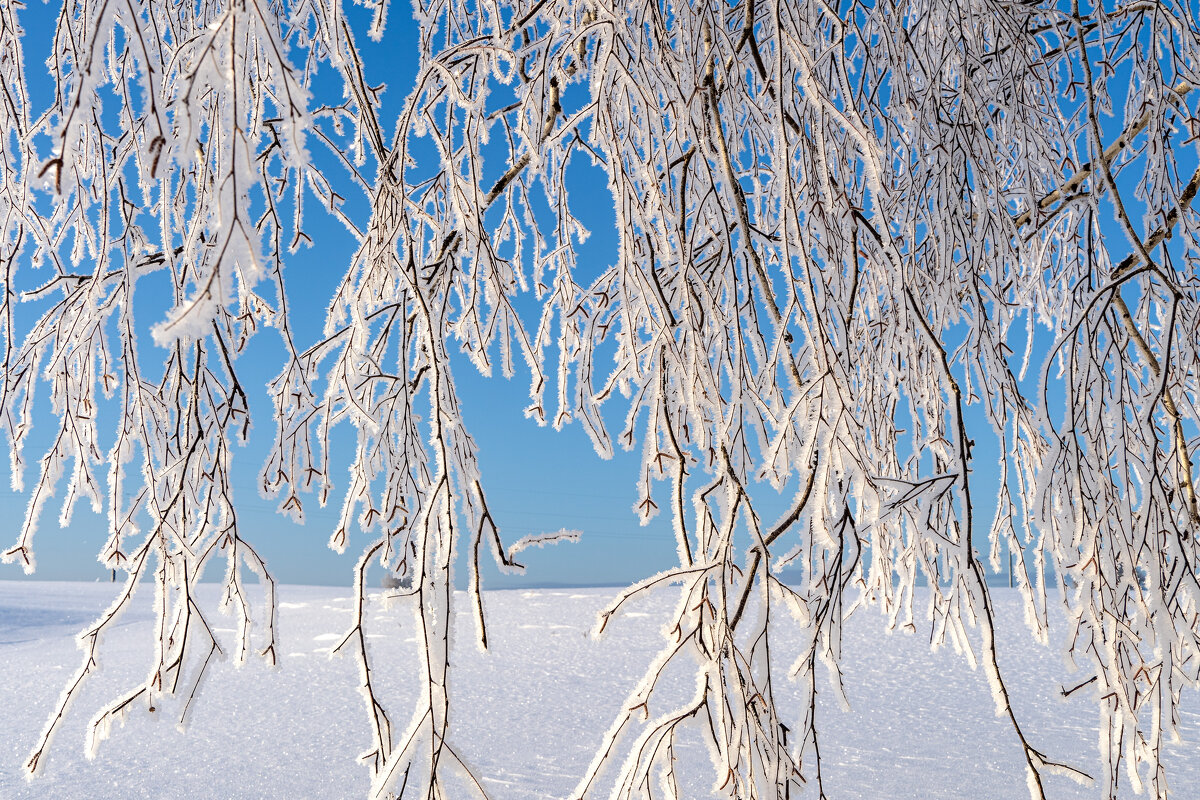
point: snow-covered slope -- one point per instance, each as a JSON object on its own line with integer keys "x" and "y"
{"x": 529, "y": 713}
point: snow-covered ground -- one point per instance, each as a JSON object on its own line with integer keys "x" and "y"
{"x": 529, "y": 713}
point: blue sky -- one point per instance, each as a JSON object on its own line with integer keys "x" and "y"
{"x": 538, "y": 480}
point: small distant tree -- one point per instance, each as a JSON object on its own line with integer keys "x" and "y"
{"x": 840, "y": 226}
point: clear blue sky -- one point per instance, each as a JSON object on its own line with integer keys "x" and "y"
{"x": 538, "y": 480}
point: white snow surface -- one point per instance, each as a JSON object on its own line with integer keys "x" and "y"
{"x": 529, "y": 714}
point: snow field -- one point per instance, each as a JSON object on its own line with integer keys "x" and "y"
{"x": 529, "y": 714}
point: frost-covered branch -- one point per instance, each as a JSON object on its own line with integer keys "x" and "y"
{"x": 840, "y": 226}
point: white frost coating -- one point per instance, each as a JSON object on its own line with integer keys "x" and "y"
{"x": 217, "y": 116}
{"x": 829, "y": 229}
{"x": 543, "y": 539}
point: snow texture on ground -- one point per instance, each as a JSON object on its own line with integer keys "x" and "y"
{"x": 529, "y": 714}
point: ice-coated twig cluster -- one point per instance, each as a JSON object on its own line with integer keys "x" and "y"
{"x": 154, "y": 193}
{"x": 842, "y": 225}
